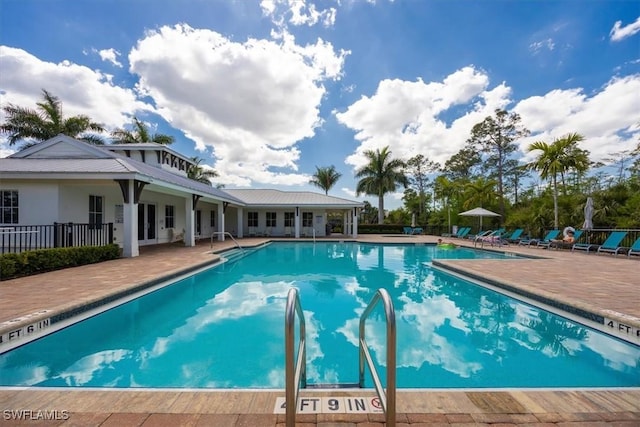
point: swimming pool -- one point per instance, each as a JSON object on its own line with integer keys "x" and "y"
{"x": 224, "y": 328}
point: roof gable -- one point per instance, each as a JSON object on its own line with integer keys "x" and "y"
{"x": 62, "y": 147}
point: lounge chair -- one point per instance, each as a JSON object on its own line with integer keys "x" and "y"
{"x": 559, "y": 244}
{"x": 407, "y": 230}
{"x": 611, "y": 245}
{"x": 635, "y": 248}
{"x": 514, "y": 237}
{"x": 494, "y": 238}
{"x": 462, "y": 233}
{"x": 553, "y": 234}
{"x": 417, "y": 230}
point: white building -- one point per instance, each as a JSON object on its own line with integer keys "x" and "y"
{"x": 139, "y": 194}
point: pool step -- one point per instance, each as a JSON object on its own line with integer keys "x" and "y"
{"x": 332, "y": 385}
{"x": 234, "y": 254}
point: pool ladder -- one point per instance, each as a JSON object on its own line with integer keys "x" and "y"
{"x": 295, "y": 372}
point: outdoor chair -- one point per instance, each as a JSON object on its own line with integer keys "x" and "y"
{"x": 553, "y": 234}
{"x": 610, "y": 245}
{"x": 417, "y": 230}
{"x": 407, "y": 230}
{"x": 461, "y": 234}
{"x": 635, "y": 248}
{"x": 564, "y": 245}
{"x": 514, "y": 237}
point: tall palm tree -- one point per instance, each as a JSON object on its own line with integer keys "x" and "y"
{"x": 200, "y": 174}
{"x": 556, "y": 159}
{"x": 45, "y": 122}
{"x": 380, "y": 176}
{"x": 325, "y": 178}
{"x": 479, "y": 192}
{"x": 140, "y": 134}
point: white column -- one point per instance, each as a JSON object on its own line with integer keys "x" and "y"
{"x": 240, "y": 222}
{"x": 355, "y": 223}
{"x": 297, "y": 222}
{"x": 190, "y": 221}
{"x": 221, "y": 226}
{"x": 130, "y": 246}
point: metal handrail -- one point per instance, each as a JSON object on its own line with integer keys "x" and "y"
{"x": 294, "y": 373}
{"x": 227, "y": 234}
{"x": 388, "y": 400}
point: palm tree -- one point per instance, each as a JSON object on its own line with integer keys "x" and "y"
{"x": 380, "y": 176}
{"x": 479, "y": 192}
{"x": 325, "y": 178}
{"x": 200, "y": 174}
{"x": 140, "y": 134}
{"x": 45, "y": 122}
{"x": 556, "y": 159}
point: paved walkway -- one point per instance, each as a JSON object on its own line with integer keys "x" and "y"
{"x": 599, "y": 284}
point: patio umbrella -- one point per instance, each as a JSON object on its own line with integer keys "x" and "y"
{"x": 413, "y": 220}
{"x": 588, "y": 214}
{"x": 479, "y": 212}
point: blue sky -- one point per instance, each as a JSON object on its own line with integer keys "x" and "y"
{"x": 265, "y": 91}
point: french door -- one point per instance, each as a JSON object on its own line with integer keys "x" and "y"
{"x": 147, "y": 219}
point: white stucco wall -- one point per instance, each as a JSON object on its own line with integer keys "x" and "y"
{"x": 37, "y": 203}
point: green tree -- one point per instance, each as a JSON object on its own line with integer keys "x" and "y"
{"x": 556, "y": 159}
{"x": 325, "y": 178}
{"x": 45, "y": 122}
{"x": 140, "y": 134}
{"x": 380, "y": 176}
{"x": 463, "y": 164}
{"x": 417, "y": 170}
{"x": 200, "y": 174}
{"x": 496, "y": 137}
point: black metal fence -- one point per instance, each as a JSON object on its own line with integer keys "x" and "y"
{"x": 19, "y": 238}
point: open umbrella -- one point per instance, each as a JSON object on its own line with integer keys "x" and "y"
{"x": 588, "y": 214}
{"x": 479, "y": 212}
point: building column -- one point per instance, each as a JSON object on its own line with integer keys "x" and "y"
{"x": 297, "y": 223}
{"x": 222, "y": 207}
{"x": 240, "y": 223}
{"x": 355, "y": 223}
{"x": 130, "y": 246}
{"x": 189, "y": 222}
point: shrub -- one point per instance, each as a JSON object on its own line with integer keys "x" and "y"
{"x": 43, "y": 260}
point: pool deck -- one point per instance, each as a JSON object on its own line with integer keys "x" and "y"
{"x": 599, "y": 284}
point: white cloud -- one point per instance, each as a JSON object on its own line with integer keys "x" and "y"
{"x": 618, "y": 32}
{"x": 297, "y": 12}
{"x": 410, "y": 117}
{"x": 536, "y": 47}
{"x": 252, "y": 102}
{"x": 606, "y": 119}
{"x": 80, "y": 89}
{"x": 110, "y": 55}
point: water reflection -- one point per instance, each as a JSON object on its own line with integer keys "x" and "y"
{"x": 225, "y": 328}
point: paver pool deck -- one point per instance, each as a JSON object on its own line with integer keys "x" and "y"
{"x": 601, "y": 284}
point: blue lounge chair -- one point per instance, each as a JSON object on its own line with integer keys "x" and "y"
{"x": 407, "y": 230}
{"x": 553, "y": 234}
{"x": 564, "y": 245}
{"x": 417, "y": 230}
{"x": 611, "y": 245}
{"x": 463, "y": 232}
{"x": 514, "y": 236}
{"x": 635, "y": 248}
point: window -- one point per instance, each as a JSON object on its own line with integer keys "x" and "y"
{"x": 212, "y": 222}
{"x": 307, "y": 219}
{"x": 271, "y": 219}
{"x": 169, "y": 216}
{"x": 96, "y": 212}
{"x": 8, "y": 207}
{"x": 289, "y": 219}
{"x": 252, "y": 219}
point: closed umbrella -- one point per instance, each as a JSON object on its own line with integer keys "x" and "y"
{"x": 479, "y": 212}
{"x": 588, "y": 214}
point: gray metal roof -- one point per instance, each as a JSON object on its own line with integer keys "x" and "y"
{"x": 269, "y": 197}
{"x": 98, "y": 163}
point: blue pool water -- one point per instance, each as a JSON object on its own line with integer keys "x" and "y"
{"x": 224, "y": 328}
